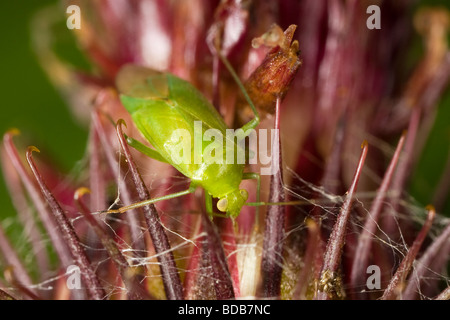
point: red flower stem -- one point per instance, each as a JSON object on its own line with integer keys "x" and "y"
{"x": 307, "y": 272}
{"x": 331, "y": 181}
{"x": 42, "y": 210}
{"x": 405, "y": 162}
{"x": 169, "y": 271}
{"x": 93, "y": 287}
{"x": 329, "y": 275}
{"x": 97, "y": 183}
{"x": 222, "y": 284}
{"x": 126, "y": 272}
{"x": 428, "y": 264}
{"x": 390, "y": 224}
{"x": 137, "y": 240}
{"x": 13, "y": 261}
{"x": 405, "y": 266}
{"x": 25, "y": 213}
{"x": 363, "y": 248}
{"x": 274, "y": 234}
{"x": 427, "y": 100}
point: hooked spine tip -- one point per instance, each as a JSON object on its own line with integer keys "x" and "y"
{"x": 80, "y": 192}
{"x": 364, "y": 144}
{"x": 121, "y": 122}
{"x": 13, "y": 132}
{"x": 33, "y": 149}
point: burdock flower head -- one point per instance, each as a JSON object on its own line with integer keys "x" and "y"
{"x": 320, "y": 86}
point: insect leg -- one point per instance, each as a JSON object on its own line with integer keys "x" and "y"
{"x": 208, "y": 204}
{"x": 149, "y": 152}
{"x": 153, "y": 200}
{"x": 209, "y": 207}
{"x": 257, "y": 177}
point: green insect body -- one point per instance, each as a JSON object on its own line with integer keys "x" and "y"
{"x": 161, "y": 103}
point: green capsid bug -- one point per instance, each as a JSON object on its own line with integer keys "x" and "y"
{"x": 161, "y": 103}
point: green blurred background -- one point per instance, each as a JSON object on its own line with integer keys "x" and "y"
{"x": 30, "y": 103}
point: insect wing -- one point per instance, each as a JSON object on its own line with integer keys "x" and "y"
{"x": 163, "y": 126}
{"x": 192, "y": 101}
{"x": 141, "y": 82}
{"x": 165, "y": 109}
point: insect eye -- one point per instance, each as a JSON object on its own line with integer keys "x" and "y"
{"x": 244, "y": 194}
{"x": 222, "y": 205}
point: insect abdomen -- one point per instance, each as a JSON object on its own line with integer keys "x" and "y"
{"x": 158, "y": 120}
